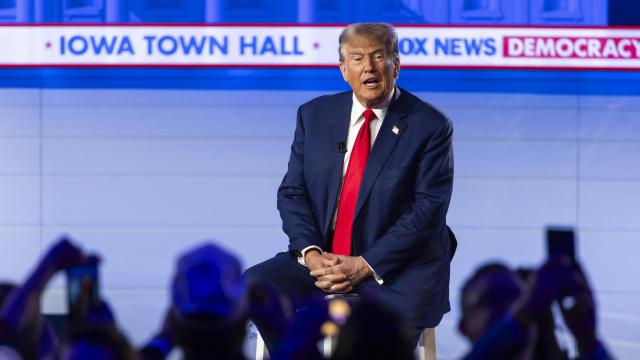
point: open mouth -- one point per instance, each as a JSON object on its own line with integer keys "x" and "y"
{"x": 371, "y": 83}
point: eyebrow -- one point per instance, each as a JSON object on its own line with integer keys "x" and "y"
{"x": 361, "y": 52}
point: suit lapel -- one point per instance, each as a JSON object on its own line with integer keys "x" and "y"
{"x": 392, "y": 128}
{"x": 338, "y": 128}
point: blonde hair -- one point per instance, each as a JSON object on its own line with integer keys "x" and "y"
{"x": 381, "y": 32}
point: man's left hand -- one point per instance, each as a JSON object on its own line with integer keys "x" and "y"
{"x": 351, "y": 270}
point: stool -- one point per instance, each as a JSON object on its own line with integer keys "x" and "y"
{"x": 261, "y": 349}
{"x": 426, "y": 348}
{"x": 329, "y": 342}
{"x": 427, "y": 345}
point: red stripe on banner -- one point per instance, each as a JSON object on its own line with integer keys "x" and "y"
{"x": 311, "y": 66}
{"x": 463, "y": 26}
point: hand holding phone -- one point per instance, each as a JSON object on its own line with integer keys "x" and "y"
{"x": 82, "y": 291}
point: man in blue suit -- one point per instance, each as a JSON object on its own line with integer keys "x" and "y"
{"x": 366, "y": 193}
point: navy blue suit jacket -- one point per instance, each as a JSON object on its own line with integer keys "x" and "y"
{"x": 400, "y": 218}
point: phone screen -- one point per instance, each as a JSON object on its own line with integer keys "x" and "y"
{"x": 561, "y": 241}
{"x": 82, "y": 291}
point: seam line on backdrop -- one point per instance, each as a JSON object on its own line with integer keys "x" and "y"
{"x": 579, "y": 148}
{"x": 41, "y": 169}
{"x": 6, "y": 137}
{"x": 186, "y": 176}
{"x": 159, "y": 225}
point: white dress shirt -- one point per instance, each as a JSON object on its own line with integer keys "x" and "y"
{"x": 355, "y": 123}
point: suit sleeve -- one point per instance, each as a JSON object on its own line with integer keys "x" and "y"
{"x": 293, "y": 198}
{"x": 418, "y": 223}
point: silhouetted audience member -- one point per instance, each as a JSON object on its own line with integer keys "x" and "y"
{"x": 209, "y": 307}
{"x": 20, "y": 318}
{"x": 21, "y": 323}
{"x": 488, "y": 295}
{"x": 271, "y": 310}
{"x": 97, "y": 338}
{"x": 505, "y": 314}
{"x": 506, "y": 317}
{"x": 37, "y": 339}
{"x": 161, "y": 343}
{"x": 300, "y": 342}
{"x": 364, "y": 329}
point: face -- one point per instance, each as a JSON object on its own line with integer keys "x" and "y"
{"x": 369, "y": 69}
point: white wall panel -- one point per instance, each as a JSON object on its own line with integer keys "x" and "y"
{"x": 169, "y": 121}
{"x": 166, "y": 156}
{"x": 619, "y": 321}
{"x": 610, "y": 160}
{"x": 120, "y": 97}
{"x": 19, "y": 200}
{"x": 610, "y": 124}
{"x": 138, "y": 200}
{"x": 611, "y": 258}
{"x": 449, "y": 100}
{"x": 20, "y": 97}
{"x": 19, "y": 120}
{"x": 610, "y": 205}
{"x": 618, "y": 102}
{"x": 20, "y": 156}
{"x": 514, "y": 123}
{"x": 20, "y": 250}
{"x": 510, "y": 158}
{"x": 508, "y": 203}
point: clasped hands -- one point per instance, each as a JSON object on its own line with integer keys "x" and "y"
{"x": 336, "y": 273}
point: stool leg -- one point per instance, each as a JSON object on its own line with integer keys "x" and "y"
{"x": 260, "y": 347}
{"x": 429, "y": 343}
{"x": 327, "y": 346}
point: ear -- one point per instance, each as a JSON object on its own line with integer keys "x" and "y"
{"x": 396, "y": 67}
{"x": 343, "y": 70}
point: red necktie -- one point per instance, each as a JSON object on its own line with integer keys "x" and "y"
{"x": 351, "y": 186}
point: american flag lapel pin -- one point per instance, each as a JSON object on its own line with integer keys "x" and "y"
{"x": 395, "y": 130}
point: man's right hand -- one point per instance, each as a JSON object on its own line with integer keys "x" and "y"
{"x": 330, "y": 282}
{"x": 333, "y": 283}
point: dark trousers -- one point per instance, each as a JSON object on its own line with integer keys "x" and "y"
{"x": 285, "y": 274}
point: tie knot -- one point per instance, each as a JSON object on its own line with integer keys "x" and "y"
{"x": 368, "y": 114}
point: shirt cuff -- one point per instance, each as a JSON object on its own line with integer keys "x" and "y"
{"x": 375, "y": 276}
{"x": 301, "y": 257}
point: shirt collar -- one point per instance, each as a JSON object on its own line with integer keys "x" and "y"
{"x": 381, "y": 110}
